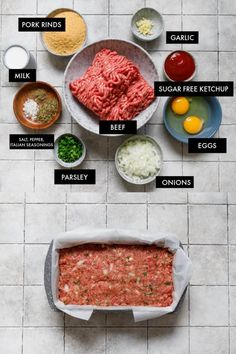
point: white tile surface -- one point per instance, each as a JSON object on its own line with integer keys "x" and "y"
{"x": 36, "y": 310}
{"x": 209, "y": 306}
{"x": 228, "y": 106}
{"x": 34, "y": 264}
{"x": 203, "y": 172}
{"x": 7, "y": 345}
{"x": 227, "y": 7}
{"x": 10, "y": 25}
{"x": 200, "y": 7}
{"x": 11, "y": 305}
{"x": 227, "y": 170}
{"x": 171, "y": 340}
{"x": 172, "y": 23}
{"x": 211, "y": 74}
{"x": 45, "y": 6}
{"x": 165, "y": 7}
{"x": 206, "y": 340}
{"x": 228, "y": 131}
{"x": 208, "y": 224}
{"x": 232, "y": 224}
{"x": 11, "y": 260}
{"x": 119, "y": 339}
{"x": 94, "y": 22}
{"x": 49, "y": 340}
{"x": 232, "y": 294}
{"x": 88, "y": 340}
{"x": 168, "y": 218}
{"x": 44, "y": 177}
{"x": 18, "y": 7}
{"x": 39, "y": 225}
{"x": 123, "y": 319}
{"x": 227, "y": 39}
{"x": 226, "y": 61}
{"x": 91, "y": 7}
{"x": 50, "y": 68}
{"x": 125, "y": 7}
{"x": 80, "y": 215}
{"x": 13, "y": 176}
{"x": 232, "y": 340}
{"x": 121, "y": 215}
{"x": 207, "y": 27}
{"x": 11, "y": 223}
{"x": 206, "y": 271}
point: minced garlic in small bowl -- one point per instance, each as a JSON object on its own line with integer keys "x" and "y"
{"x": 66, "y": 43}
{"x": 147, "y": 24}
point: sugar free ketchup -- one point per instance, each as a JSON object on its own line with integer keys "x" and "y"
{"x": 179, "y": 66}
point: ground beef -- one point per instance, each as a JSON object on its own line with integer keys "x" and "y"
{"x": 116, "y": 275}
{"x": 113, "y": 87}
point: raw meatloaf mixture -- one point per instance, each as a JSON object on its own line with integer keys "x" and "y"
{"x": 113, "y": 87}
{"x": 116, "y": 275}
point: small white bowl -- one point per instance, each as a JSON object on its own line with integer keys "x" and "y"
{"x": 69, "y": 164}
{"x": 128, "y": 178}
{"x": 150, "y": 14}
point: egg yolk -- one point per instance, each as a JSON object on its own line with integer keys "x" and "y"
{"x": 193, "y": 124}
{"x": 180, "y": 105}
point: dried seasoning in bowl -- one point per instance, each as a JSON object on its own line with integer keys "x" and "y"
{"x": 40, "y": 106}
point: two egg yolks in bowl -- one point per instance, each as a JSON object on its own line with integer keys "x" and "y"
{"x": 192, "y": 124}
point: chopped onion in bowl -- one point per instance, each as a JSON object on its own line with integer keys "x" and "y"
{"x": 139, "y": 159}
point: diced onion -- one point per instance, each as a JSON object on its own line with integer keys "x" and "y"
{"x": 139, "y": 159}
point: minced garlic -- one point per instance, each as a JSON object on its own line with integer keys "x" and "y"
{"x": 67, "y": 42}
{"x": 145, "y": 26}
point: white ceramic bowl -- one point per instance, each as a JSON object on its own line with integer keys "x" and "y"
{"x": 69, "y": 164}
{"x": 150, "y": 14}
{"x": 84, "y": 58}
{"x": 130, "y": 179}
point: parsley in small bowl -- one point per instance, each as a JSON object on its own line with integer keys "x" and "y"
{"x": 69, "y": 150}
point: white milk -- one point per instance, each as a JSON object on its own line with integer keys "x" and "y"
{"x": 16, "y": 57}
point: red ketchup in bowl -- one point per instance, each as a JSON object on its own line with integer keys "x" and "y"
{"x": 179, "y": 66}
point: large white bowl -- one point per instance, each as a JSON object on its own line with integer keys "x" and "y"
{"x": 83, "y": 59}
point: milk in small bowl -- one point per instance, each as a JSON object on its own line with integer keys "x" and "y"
{"x": 16, "y": 57}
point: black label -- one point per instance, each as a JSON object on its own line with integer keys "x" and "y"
{"x": 182, "y": 37}
{"x": 213, "y": 145}
{"x": 31, "y": 141}
{"x": 22, "y": 75}
{"x": 117, "y": 127}
{"x": 175, "y": 182}
{"x": 197, "y": 88}
{"x": 75, "y": 177}
{"x": 35, "y": 24}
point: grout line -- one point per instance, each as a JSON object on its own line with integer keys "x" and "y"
{"x": 228, "y": 265}
{"x": 109, "y": 18}
{"x": 23, "y": 280}
{"x": 125, "y": 14}
{"x": 188, "y": 241}
{"x": 120, "y": 327}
